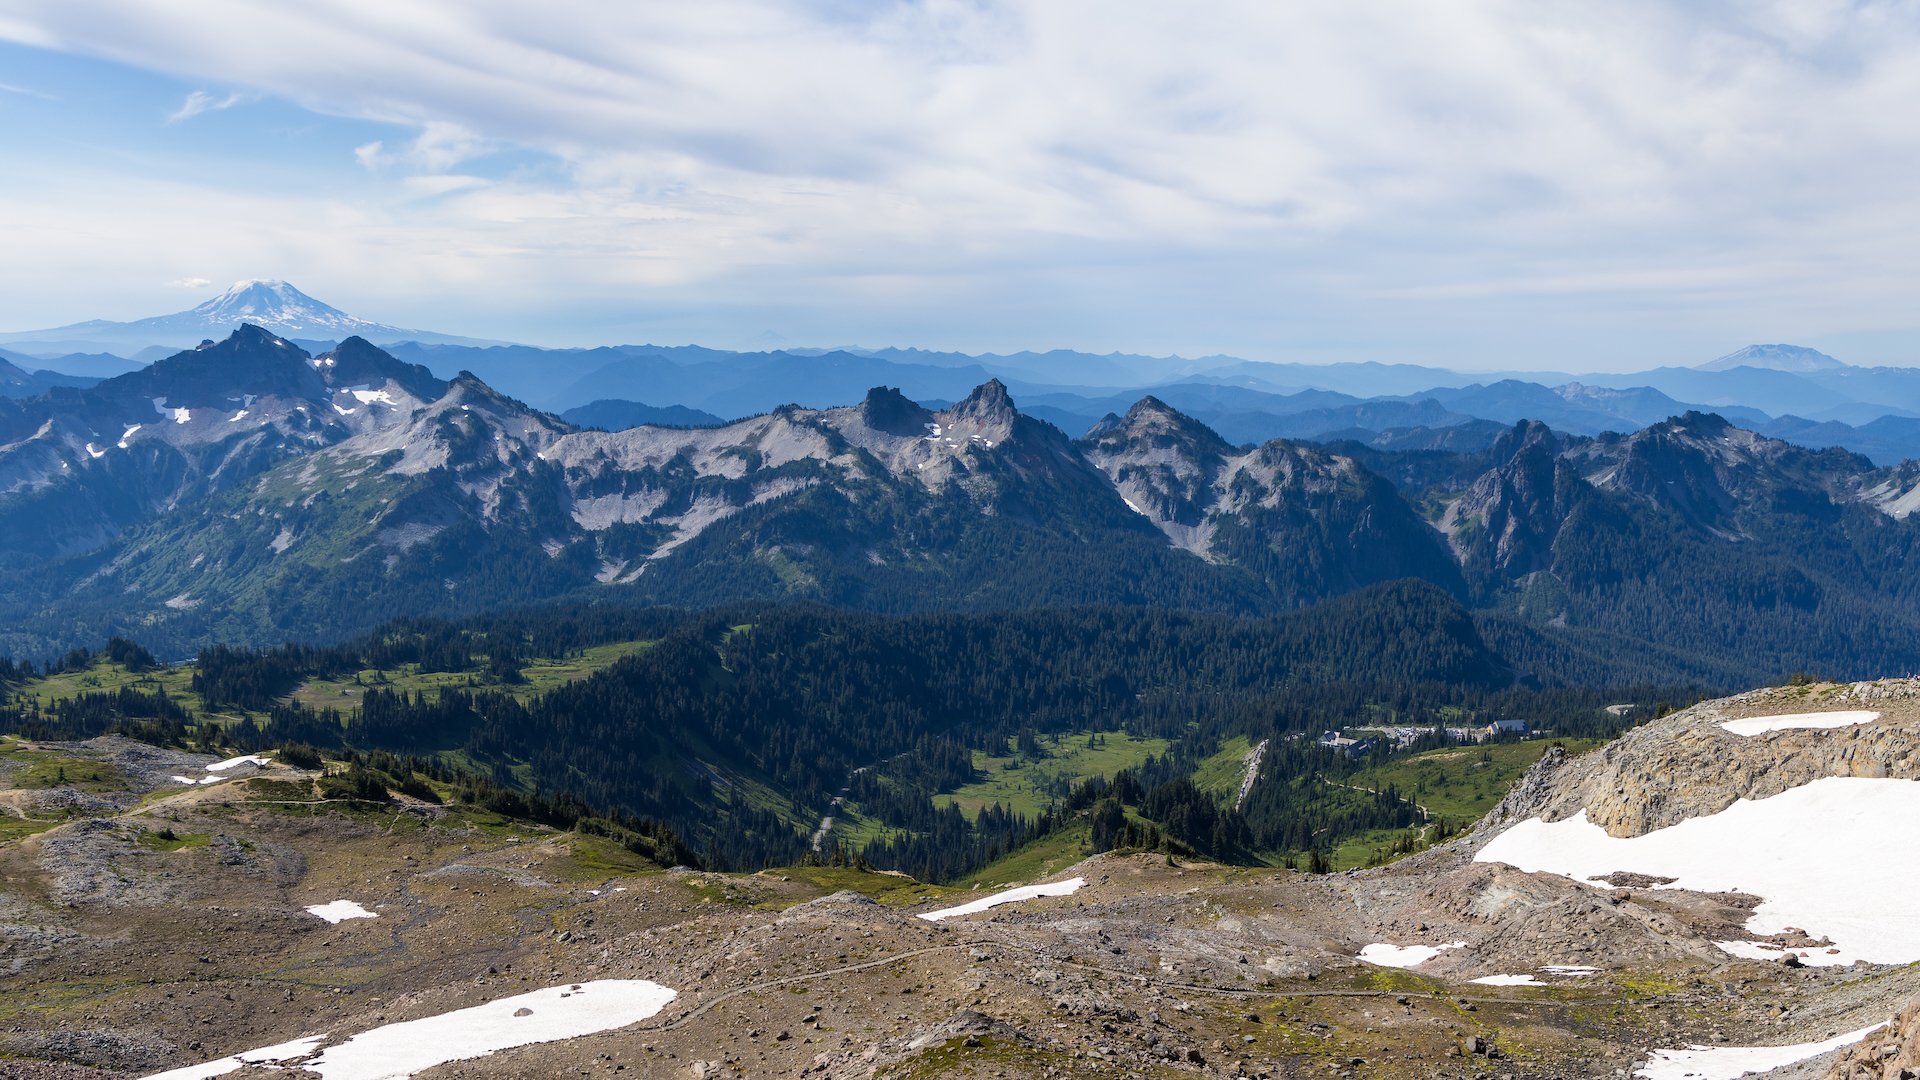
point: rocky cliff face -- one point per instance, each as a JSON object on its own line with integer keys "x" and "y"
{"x": 1506, "y": 522}
{"x": 1688, "y": 765}
{"x": 1892, "y": 1053}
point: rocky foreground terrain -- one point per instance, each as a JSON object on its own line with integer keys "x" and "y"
{"x": 163, "y": 925}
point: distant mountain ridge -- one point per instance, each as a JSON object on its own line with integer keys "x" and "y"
{"x": 79, "y": 465}
{"x": 272, "y": 305}
{"x": 246, "y": 490}
{"x": 1774, "y": 358}
{"x": 1788, "y": 391}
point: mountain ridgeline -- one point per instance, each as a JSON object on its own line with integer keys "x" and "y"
{"x": 247, "y": 492}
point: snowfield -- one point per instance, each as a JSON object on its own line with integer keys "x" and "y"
{"x": 1729, "y": 1062}
{"x": 340, "y": 910}
{"x": 1010, "y": 896}
{"x": 1817, "y": 855}
{"x": 399, "y": 1050}
{"x": 1381, "y": 954}
{"x": 287, "y": 1051}
{"x": 1760, "y": 725}
{"x": 1507, "y": 980}
{"x": 247, "y": 759}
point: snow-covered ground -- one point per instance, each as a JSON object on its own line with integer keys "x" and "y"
{"x": 1760, "y": 725}
{"x": 1818, "y": 855}
{"x": 215, "y": 770}
{"x": 266, "y": 1055}
{"x": 1729, "y": 1062}
{"x": 1507, "y": 980}
{"x": 340, "y": 910}
{"x": 1381, "y": 954}
{"x": 1010, "y": 896}
{"x": 399, "y": 1050}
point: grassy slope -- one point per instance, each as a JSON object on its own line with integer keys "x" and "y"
{"x": 1220, "y": 775}
{"x": 344, "y": 693}
{"x": 541, "y": 675}
{"x": 1459, "y": 784}
{"x": 1465, "y": 782}
{"x": 1028, "y": 786}
{"x": 1047, "y": 855}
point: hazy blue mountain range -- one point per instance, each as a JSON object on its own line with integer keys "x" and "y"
{"x": 272, "y": 305}
{"x": 1787, "y": 391}
{"x": 21, "y": 376}
{"x": 620, "y": 415}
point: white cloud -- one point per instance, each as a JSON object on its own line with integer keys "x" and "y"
{"x": 199, "y": 101}
{"x": 441, "y": 183}
{"x": 190, "y": 283}
{"x": 26, "y": 91}
{"x": 1133, "y": 162}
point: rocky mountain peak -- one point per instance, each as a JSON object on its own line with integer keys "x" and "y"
{"x": 887, "y": 409}
{"x": 1507, "y": 521}
{"x": 250, "y": 360}
{"x": 468, "y": 393}
{"x": 1152, "y": 424}
{"x": 356, "y": 360}
{"x": 1698, "y": 424}
{"x": 989, "y": 406}
{"x": 1526, "y": 437}
{"x": 1150, "y": 409}
{"x": 1715, "y": 474}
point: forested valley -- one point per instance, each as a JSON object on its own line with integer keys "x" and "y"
{"x": 739, "y": 728}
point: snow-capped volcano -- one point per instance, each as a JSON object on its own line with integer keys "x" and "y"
{"x": 1796, "y": 358}
{"x": 274, "y": 305}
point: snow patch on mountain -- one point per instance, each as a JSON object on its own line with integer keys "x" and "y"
{"x": 1859, "y": 898}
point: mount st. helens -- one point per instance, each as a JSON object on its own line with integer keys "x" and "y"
{"x": 245, "y": 491}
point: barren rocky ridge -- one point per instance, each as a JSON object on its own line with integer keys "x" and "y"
{"x": 126, "y": 953}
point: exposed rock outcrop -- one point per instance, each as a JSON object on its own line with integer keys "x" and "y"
{"x": 1687, "y": 765}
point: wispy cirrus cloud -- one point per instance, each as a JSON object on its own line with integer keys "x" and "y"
{"x": 439, "y": 146}
{"x": 199, "y": 101}
{"x": 1470, "y": 177}
{"x": 26, "y": 91}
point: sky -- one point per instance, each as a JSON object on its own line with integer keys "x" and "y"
{"x": 1481, "y": 184}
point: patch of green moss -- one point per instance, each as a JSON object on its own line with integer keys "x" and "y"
{"x": 283, "y": 790}
{"x": 167, "y": 840}
{"x": 986, "y": 1056}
